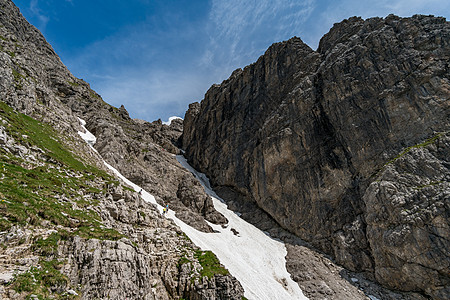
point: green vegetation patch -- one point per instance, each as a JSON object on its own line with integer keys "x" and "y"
{"x": 57, "y": 188}
{"x": 17, "y": 78}
{"x": 428, "y": 142}
{"x": 127, "y": 188}
{"x": 94, "y": 95}
{"x": 210, "y": 264}
{"x": 72, "y": 83}
{"x": 30, "y": 131}
{"x": 43, "y": 281}
{"x": 49, "y": 245}
{"x": 434, "y": 183}
{"x": 31, "y": 194}
{"x": 183, "y": 260}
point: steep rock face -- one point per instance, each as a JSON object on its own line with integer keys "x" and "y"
{"x": 407, "y": 215}
{"x": 302, "y": 132}
{"x": 68, "y": 227}
{"x": 34, "y": 81}
{"x": 143, "y": 152}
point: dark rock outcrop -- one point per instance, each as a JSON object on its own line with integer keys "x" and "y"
{"x": 304, "y": 133}
{"x": 407, "y": 215}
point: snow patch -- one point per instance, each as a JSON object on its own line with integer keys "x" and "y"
{"x": 147, "y": 197}
{"x": 257, "y": 261}
{"x": 171, "y": 119}
{"x": 87, "y": 135}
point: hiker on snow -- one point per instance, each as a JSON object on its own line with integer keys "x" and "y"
{"x": 165, "y": 209}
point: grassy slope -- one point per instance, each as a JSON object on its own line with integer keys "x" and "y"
{"x": 56, "y": 190}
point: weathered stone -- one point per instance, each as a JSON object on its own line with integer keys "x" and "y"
{"x": 301, "y": 132}
{"x": 407, "y": 214}
{"x": 145, "y": 263}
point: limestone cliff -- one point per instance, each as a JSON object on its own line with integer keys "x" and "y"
{"x": 68, "y": 228}
{"x": 311, "y": 137}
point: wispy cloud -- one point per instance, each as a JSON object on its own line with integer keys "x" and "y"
{"x": 158, "y": 66}
{"x": 37, "y": 12}
{"x": 336, "y": 11}
{"x": 410, "y": 7}
{"x": 159, "y": 94}
{"x": 239, "y": 31}
{"x": 153, "y": 72}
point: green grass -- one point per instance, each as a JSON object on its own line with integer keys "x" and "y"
{"x": 31, "y": 194}
{"x": 43, "y": 281}
{"x": 17, "y": 78}
{"x": 56, "y": 190}
{"x": 428, "y": 142}
{"x": 94, "y": 95}
{"x": 48, "y": 246}
{"x": 73, "y": 83}
{"x": 128, "y": 189}
{"x": 183, "y": 260}
{"x": 434, "y": 183}
{"x": 210, "y": 264}
{"x": 46, "y": 138}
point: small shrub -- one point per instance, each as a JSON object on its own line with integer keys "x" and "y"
{"x": 210, "y": 264}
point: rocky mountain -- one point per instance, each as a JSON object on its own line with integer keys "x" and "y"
{"x": 69, "y": 229}
{"x": 347, "y": 147}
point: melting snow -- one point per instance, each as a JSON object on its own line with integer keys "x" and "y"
{"x": 256, "y": 260}
{"x": 86, "y": 135}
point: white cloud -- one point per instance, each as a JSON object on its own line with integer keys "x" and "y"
{"x": 410, "y": 7}
{"x": 154, "y": 94}
{"x": 241, "y": 30}
{"x": 135, "y": 68}
{"x": 156, "y": 72}
{"x": 336, "y": 11}
{"x": 37, "y": 12}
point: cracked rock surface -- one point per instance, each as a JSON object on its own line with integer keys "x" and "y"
{"x": 303, "y": 134}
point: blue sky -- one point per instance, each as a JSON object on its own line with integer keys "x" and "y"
{"x": 157, "y": 56}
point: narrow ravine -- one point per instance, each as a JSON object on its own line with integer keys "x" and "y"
{"x": 255, "y": 259}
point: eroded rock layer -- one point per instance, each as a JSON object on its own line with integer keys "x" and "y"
{"x": 305, "y": 133}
